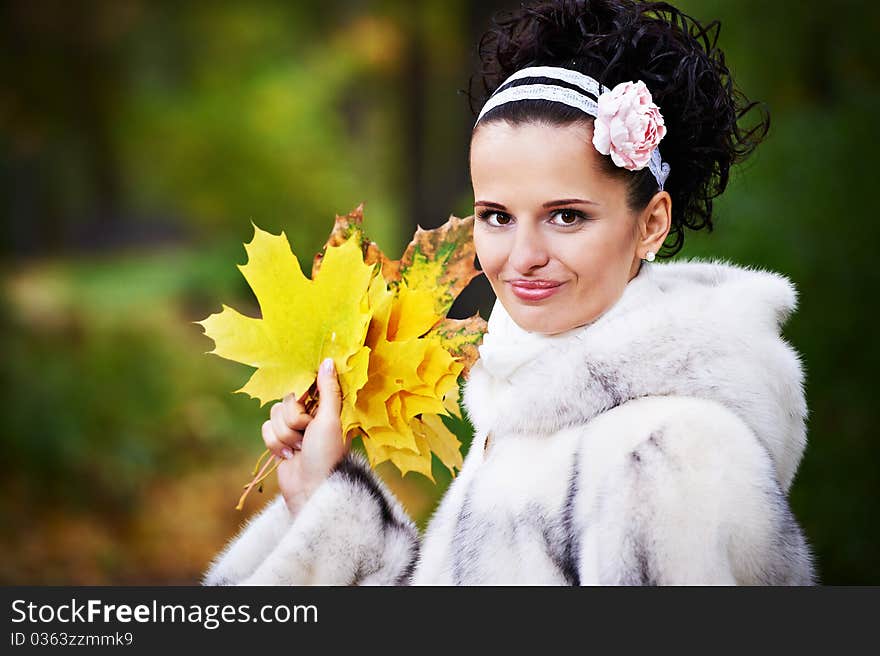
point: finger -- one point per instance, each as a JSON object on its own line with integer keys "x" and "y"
{"x": 294, "y": 405}
{"x": 283, "y": 432}
{"x": 294, "y": 414}
{"x": 329, "y": 392}
{"x": 273, "y": 444}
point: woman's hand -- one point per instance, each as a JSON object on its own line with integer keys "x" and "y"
{"x": 310, "y": 446}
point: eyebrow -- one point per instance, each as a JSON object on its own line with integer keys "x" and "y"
{"x": 552, "y": 203}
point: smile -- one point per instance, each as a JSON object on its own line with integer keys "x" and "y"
{"x": 534, "y": 290}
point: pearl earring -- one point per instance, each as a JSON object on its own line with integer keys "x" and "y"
{"x": 649, "y": 256}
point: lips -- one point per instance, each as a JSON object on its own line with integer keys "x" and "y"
{"x": 534, "y": 290}
{"x": 535, "y": 284}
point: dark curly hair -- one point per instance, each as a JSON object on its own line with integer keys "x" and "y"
{"x": 620, "y": 40}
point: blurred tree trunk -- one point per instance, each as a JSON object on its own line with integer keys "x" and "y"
{"x": 64, "y": 78}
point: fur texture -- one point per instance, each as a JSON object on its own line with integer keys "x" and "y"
{"x": 657, "y": 446}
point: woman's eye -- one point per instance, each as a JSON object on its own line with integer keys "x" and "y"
{"x": 569, "y": 217}
{"x": 503, "y": 219}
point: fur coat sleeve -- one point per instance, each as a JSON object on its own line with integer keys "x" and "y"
{"x": 352, "y": 531}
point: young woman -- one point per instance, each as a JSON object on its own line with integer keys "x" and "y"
{"x": 636, "y": 422}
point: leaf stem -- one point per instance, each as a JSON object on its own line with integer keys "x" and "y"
{"x": 270, "y": 470}
{"x": 257, "y": 478}
{"x": 259, "y": 461}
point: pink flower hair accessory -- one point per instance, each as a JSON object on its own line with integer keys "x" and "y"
{"x": 628, "y": 125}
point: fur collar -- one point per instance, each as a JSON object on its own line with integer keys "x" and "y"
{"x": 709, "y": 329}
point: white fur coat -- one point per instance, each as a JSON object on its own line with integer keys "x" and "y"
{"x": 654, "y": 446}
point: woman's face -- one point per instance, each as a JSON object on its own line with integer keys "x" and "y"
{"x": 553, "y": 233}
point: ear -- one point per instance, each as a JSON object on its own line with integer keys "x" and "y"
{"x": 654, "y": 223}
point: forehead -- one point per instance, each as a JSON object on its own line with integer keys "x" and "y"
{"x": 534, "y": 157}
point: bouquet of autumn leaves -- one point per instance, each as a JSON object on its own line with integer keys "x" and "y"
{"x": 383, "y": 322}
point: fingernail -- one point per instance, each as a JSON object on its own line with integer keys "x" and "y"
{"x": 287, "y": 453}
{"x": 327, "y": 366}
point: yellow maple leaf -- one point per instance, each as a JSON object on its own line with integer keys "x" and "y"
{"x": 431, "y": 436}
{"x": 408, "y": 375}
{"x": 442, "y": 442}
{"x": 303, "y": 321}
{"x": 414, "y": 365}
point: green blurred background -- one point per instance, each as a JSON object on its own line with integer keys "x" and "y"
{"x": 139, "y": 139}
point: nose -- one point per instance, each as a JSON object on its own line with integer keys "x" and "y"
{"x": 529, "y": 250}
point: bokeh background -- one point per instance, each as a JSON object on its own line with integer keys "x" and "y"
{"x": 139, "y": 139}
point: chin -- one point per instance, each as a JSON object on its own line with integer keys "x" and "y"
{"x": 537, "y": 319}
{"x": 547, "y": 319}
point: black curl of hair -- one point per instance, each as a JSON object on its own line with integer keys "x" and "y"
{"x": 615, "y": 41}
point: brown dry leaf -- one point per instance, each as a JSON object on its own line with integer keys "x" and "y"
{"x": 462, "y": 337}
{"x": 442, "y": 260}
{"x": 347, "y": 225}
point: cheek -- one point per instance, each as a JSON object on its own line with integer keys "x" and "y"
{"x": 594, "y": 253}
{"x": 490, "y": 252}
{"x": 594, "y": 261}
{"x": 580, "y": 257}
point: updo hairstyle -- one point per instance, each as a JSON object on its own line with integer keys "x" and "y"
{"x": 616, "y": 41}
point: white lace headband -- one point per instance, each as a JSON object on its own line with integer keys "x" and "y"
{"x": 628, "y": 125}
